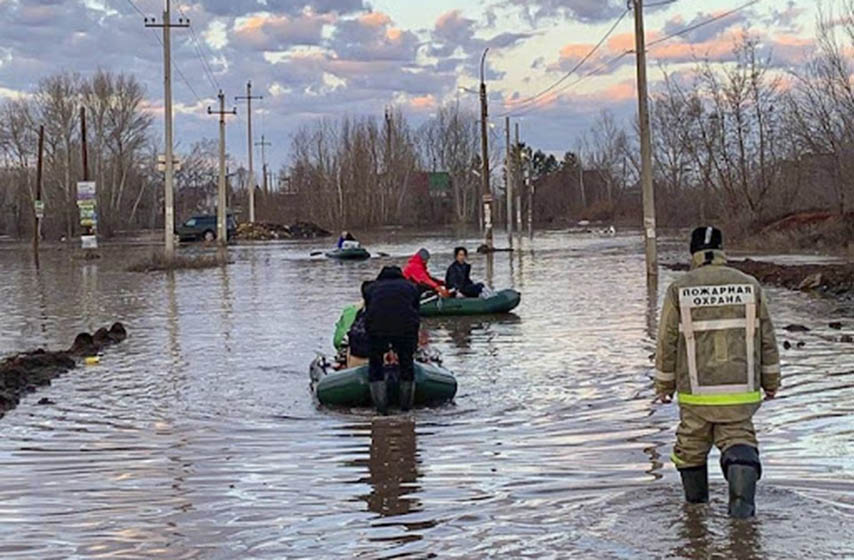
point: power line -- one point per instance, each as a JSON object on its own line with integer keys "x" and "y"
{"x": 596, "y": 70}
{"x": 209, "y": 74}
{"x": 703, "y": 23}
{"x": 619, "y": 57}
{"x": 534, "y": 98}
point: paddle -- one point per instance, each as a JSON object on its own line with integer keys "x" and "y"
{"x": 381, "y": 254}
{"x": 315, "y": 253}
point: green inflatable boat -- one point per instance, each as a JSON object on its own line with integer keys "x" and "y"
{"x": 501, "y": 302}
{"x": 351, "y": 254}
{"x": 351, "y": 387}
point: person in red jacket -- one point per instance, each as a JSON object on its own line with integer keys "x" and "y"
{"x": 416, "y": 272}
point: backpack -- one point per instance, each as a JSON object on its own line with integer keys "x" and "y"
{"x": 357, "y": 337}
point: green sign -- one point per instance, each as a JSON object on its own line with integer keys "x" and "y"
{"x": 38, "y": 206}
{"x": 439, "y": 183}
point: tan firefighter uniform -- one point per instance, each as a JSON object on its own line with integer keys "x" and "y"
{"x": 716, "y": 348}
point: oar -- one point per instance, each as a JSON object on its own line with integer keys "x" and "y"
{"x": 315, "y": 253}
{"x": 381, "y": 254}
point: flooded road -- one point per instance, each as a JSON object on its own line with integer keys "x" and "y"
{"x": 198, "y": 437}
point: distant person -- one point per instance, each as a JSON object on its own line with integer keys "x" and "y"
{"x": 716, "y": 350}
{"x": 416, "y": 271}
{"x": 392, "y": 321}
{"x": 346, "y": 240}
{"x": 458, "y": 276}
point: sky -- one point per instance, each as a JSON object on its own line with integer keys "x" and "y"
{"x": 316, "y": 59}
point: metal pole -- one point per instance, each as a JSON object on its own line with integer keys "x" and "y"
{"x": 646, "y": 145}
{"x": 486, "y": 192}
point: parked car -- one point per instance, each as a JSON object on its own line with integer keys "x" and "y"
{"x": 203, "y": 228}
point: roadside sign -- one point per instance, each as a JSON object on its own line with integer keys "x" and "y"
{"x": 38, "y": 206}
{"x": 89, "y": 241}
{"x": 85, "y": 190}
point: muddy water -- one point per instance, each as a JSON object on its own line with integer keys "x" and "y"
{"x": 198, "y": 438}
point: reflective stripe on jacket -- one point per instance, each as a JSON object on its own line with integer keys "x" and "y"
{"x": 716, "y": 343}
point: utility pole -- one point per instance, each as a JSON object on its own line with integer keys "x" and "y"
{"x": 263, "y": 143}
{"x": 646, "y": 145}
{"x": 249, "y": 97}
{"x": 581, "y": 183}
{"x": 508, "y": 173}
{"x": 484, "y": 140}
{"x": 38, "y": 206}
{"x": 169, "y": 196}
{"x": 221, "y": 204}
{"x": 517, "y": 168}
{"x": 85, "y": 154}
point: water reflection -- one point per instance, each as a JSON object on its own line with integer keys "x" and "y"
{"x": 393, "y": 467}
{"x": 699, "y": 536}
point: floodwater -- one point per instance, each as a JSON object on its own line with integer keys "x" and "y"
{"x": 198, "y": 438}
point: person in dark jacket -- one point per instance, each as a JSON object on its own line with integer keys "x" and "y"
{"x": 392, "y": 320}
{"x": 458, "y": 276}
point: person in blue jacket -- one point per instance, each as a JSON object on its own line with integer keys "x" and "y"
{"x": 458, "y": 276}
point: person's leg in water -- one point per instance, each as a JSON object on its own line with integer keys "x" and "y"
{"x": 404, "y": 347}
{"x": 376, "y": 375}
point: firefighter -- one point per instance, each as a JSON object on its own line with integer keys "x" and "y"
{"x": 717, "y": 352}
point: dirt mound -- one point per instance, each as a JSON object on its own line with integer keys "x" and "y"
{"x": 24, "y": 372}
{"x": 265, "y": 231}
{"x": 833, "y": 279}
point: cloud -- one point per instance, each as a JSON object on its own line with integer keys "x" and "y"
{"x": 707, "y": 31}
{"x": 587, "y": 11}
{"x": 267, "y": 32}
{"x": 455, "y": 44}
{"x": 282, "y": 7}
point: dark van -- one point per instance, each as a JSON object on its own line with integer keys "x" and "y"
{"x": 203, "y": 228}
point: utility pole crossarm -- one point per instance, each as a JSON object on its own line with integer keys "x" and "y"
{"x": 251, "y": 182}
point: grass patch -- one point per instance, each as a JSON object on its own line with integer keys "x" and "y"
{"x": 158, "y": 262}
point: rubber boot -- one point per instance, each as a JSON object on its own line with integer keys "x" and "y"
{"x": 407, "y": 395}
{"x": 695, "y": 482}
{"x": 742, "y": 491}
{"x": 379, "y": 396}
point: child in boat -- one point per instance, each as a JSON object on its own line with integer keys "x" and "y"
{"x": 458, "y": 276}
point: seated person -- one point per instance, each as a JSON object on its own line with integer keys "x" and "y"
{"x": 416, "y": 272}
{"x": 458, "y": 276}
{"x": 347, "y": 241}
{"x": 351, "y": 338}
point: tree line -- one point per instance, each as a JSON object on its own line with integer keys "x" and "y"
{"x": 737, "y": 141}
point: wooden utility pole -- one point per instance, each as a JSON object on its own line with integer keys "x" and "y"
{"x": 581, "y": 183}
{"x": 169, "y": 194}
{"x": 38, "y": 207}
{"x": 484, "y": 141}
{"x": 508, "y": 174}
{"x": 221, "y": 204}
{"x": 263, "y": 143}
{"x": 249, "y": 97}
{"x": 85, "y": 154}
{"x": 646, "y": 145}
